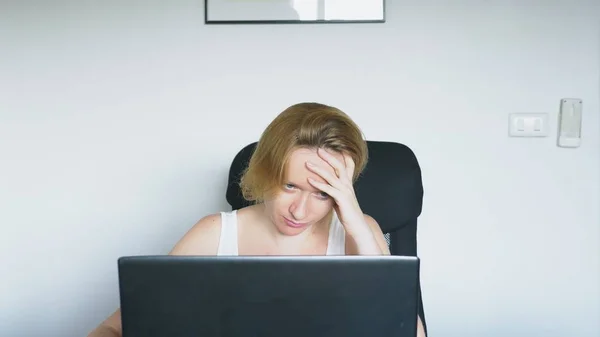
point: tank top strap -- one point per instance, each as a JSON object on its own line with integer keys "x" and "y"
{"x": 228, "y": 242}
{"x": 336, "y": 244}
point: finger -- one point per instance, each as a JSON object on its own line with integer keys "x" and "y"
{"x": 325, "y": 174}
{"x": 339, "y": 167}
{"x": 330, "y": 190}
{"x": 350, "y": 166}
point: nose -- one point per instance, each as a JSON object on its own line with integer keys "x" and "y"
{"x": 299, "y": 206}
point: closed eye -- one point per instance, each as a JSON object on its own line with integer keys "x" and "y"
{"x": 323, "y": 195}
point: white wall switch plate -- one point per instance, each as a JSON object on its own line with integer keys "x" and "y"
{"x": 528, "y": 125}
{"x": 569, "y": 122}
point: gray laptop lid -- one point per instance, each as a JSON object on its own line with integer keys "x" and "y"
{"x": 333, "y": 296}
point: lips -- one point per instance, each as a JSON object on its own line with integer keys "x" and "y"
{"x": 293, "y": 223}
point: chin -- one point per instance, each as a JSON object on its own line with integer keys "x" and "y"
{"x": 290, "y": 231}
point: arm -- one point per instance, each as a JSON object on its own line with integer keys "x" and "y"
{"x": 367, "y": 241}
{"x": 373, "y": 241}
{"x": 201, "y": 239}
{"x": 420, "y": 328}
{"x": 111, "y": 327}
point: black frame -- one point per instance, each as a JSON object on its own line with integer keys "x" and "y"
{"x": 254, "y": 22}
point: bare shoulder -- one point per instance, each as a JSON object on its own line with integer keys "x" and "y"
{"x": 202, "y": 238}
{"x": 250, "y": 215}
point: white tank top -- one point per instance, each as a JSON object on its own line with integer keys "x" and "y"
{"x": 228, "y": 243}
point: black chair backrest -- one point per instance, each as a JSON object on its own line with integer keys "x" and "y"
{"x": 390, "y": 190}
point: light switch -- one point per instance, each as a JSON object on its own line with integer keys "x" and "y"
{"x": 528, "y": 125}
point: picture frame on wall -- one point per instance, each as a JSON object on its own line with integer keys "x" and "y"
{"x": 293, "y": 11}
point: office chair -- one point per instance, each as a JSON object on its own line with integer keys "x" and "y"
{"x": 390, "y": 190}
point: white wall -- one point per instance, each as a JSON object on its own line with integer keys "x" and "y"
{"x": 118, "y": 120}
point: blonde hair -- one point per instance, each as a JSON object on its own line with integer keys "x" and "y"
{"x": 303, "y": 125}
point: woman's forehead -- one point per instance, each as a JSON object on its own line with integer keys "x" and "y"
{"x": 300, "y": 156}
{"x": 296, "y": 167}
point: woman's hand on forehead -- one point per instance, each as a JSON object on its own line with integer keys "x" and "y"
{"x": 340, "y": 187}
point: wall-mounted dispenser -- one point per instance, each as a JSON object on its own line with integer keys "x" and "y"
{"x": 569, "y": 122}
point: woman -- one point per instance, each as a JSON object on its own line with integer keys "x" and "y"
{"x": 300, "y": 180}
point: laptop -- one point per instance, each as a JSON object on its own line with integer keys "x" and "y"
{"x": 264, "y": 296}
